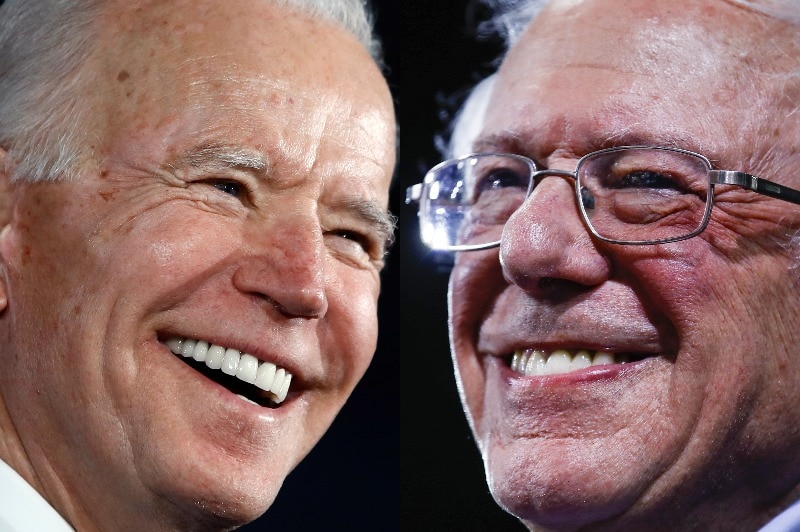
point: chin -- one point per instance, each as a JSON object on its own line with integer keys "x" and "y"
{"x": 224, "y": 492}
{"x": 229, "y": 507}
{"x": 552, "y": 489}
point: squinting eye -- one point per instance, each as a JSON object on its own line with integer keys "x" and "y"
{"x": 501, "y": 178}
{"x": 229, "y": 187}
{"x": 647, "y": 179}
{"x": 356, "y": 246}
{"x": 356, "y": 238}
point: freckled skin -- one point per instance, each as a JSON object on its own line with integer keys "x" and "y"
{"x": 703, "y": 437}
{"x": 127, "y": 436}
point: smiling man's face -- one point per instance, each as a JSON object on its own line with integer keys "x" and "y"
{"x": 237, "y": 203}
{"x": 699, "y": 426}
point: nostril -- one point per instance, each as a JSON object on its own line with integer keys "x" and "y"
{"x": 309, "y": 302}
{"x": 303, "y": 303}
{"x": 546, "y": 282}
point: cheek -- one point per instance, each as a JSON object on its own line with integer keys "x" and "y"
{"x": 714, "y": 300}
{"x": 351, "y": 324}
{"x": 163, "y": 257}
{"x": 734, "y": 339}
{"x": 475, "y": 283}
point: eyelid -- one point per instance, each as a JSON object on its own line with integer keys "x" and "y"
{"x": 372, "y": 244}
{"x": 370, "y": 253}
{"x": 246, "y": 186}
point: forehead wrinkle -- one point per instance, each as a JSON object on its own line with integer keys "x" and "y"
{"x": 621, "y": 128}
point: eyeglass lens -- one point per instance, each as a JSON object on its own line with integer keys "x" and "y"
{"x": 626, "y": 195}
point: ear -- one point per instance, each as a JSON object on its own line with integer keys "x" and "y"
{"x": 5, "y": 226}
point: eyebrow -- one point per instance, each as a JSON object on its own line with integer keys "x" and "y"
{"x": 381, "y": 219}
{"x": 508, "y": 142}
{"x": 226, "y": 156}
{"x": 503, "y": 143}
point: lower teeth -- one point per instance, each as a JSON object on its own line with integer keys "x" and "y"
{"x": 246, "y": 399}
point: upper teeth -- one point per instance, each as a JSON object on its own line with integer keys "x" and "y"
{"x": 248, "y": 368}
{"x": 539, "y": 362}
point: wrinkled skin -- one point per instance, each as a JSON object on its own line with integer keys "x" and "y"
{"x": 701, "y": 434}
{"x": 279, "y": 257}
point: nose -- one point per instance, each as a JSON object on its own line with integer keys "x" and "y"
{"x": 546, "y": 245}
{"x": 284, "y": 265}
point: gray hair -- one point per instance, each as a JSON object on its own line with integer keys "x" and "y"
{"x": 469, "y": 120}
{"x": 43, "y": 47}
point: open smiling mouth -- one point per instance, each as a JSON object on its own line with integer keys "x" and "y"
{"x": 255, "y": 381}
{"x": 537, "y": 362}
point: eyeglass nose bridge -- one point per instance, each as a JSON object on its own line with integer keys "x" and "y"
{"x": 551, "y": 171}
{"x": 584, "y": 198}
{"x": 538, "y": 175}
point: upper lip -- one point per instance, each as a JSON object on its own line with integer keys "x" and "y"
{"x": 572, "y": 329}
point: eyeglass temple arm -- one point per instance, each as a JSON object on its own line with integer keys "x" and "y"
{"x": 756, "y": 184}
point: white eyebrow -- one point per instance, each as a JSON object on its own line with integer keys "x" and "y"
{"x": 382, "y": 220}
{"x": 228, "y": 157}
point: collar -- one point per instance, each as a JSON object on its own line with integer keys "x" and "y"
{"x": 23, "y": 509}
{"x": 786, "y": 521}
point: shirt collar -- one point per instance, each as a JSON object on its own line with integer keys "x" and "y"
{"x": 22, "y": 508}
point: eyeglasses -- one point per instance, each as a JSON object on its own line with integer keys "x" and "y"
{"x": 626, "y": 195}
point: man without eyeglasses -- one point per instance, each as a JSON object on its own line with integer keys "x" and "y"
{"x": 194, "y": 227}
{"x": 626, "y": 353}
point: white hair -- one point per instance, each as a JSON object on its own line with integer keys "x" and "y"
{"x": 469, "y": 121}
{"x": 510, "y": 18}
{"x": 43, "y": 47}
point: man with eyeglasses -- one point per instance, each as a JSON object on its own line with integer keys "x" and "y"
{"x": 623, "y": 302}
